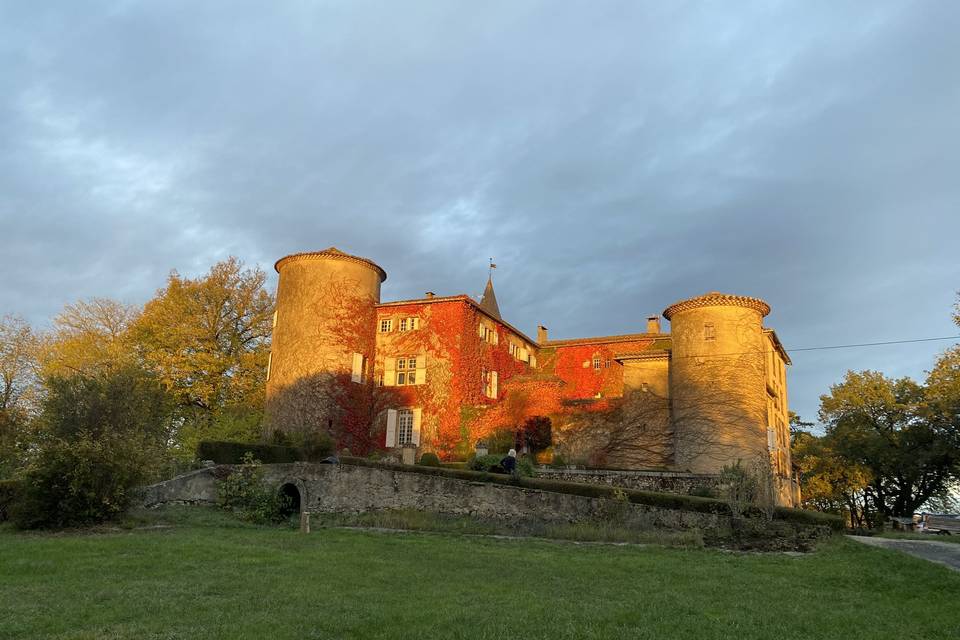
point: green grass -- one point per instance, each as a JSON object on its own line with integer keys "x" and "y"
{"x": 209, "y": 576}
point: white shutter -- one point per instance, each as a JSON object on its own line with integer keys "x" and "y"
{"x": 493, "y": 384}
{"x": 415, "y": 323}
{"x": 391, "y": 440}
{"x": 524, "y": 355}
{"x": 480, "y": 330}
{"x": 533, "y": 361}
{"x": 417, "y": 416}
{"x": 496, "y": 336}
{"x": 269, "y": 364}
{"x": 421, "y": 368}
{"x": 274, "y": 318}
{"x": 771, "y": 439}
{"x": 356, "y": 374}
{"x": 389, "y": 372}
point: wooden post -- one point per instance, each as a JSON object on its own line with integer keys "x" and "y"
{"x": 304, "y": 522}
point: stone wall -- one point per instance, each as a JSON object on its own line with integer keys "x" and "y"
{"x": 659, "y": 481}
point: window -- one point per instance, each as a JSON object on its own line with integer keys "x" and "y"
{"x": 487, "y": 334}
{"x": 386, "y": 325}
{"x": 405, "y": 370}
{"x": 596, "y": 362}
{"x": 408, "y": 324}
{"x": 489, "y": 379}
{"x": 357, "y": 370}
{"x": 709, "y": 333}
{"x": 404, "y": 426}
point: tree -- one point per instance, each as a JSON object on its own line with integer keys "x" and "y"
{"x": 99, "y": 436}
{"x": 18, "y": 365}
{"x": 19, "y": 391}
{"x": 208, "y": 341}
{"x": 127, "y": 402}
{"x": 829, "y": 482}
{"x": 887, "y": 427}
{"x": 797, "y": 424}
{"x": 88, "y": 336}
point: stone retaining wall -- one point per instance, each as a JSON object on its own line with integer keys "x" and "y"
{"x": 346, "y": 488}
{"x": 659, "y": 481}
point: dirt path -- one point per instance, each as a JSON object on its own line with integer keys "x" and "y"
{"x": 945, "y": 553}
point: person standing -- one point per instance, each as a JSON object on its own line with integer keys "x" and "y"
{"x": 509, "y": 462}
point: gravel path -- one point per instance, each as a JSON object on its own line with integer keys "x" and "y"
{"x": 945, "y": 553}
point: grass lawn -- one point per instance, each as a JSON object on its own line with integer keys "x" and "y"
{"x": 209, "y": 576}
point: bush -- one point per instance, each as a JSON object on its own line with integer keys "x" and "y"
{"x": 80, "y": 482}
{"x": 527, "y": 466}
{"x": 316, "y": 445}
{"x": 489, "y": 462}
{"x": 429, "y": 460}
{"x": 558, "y": 462}
{"x": 9, "y": 489}
{"x": 244, "y": 493}
{"x": 234, "y": 452}
{"x": 704, "y": 492}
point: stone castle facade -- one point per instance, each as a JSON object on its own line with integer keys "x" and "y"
{"x": 442, "y": 373}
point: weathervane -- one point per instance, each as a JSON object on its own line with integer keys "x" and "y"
{"x": 492, "y": 267}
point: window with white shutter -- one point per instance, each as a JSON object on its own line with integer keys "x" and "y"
{"x": 417, "y": 417}
{"x": 391, "y": 440}
{"x": 356, "y": 373}
{"x": 389, "y": 372}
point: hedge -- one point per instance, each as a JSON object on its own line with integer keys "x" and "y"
{"x": 223, "y": 452}
{"x": 8, "y": 493}
{"x": 648, "y": 498}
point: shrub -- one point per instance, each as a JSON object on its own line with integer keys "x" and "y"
{"x": 233, "y": 452}
{"x": 489, "y": 462}
{"x": 244, "y": 493}
{"x": 740, "y": 488}
{"x": 429, "y": 460}
{"x": 527, "y": 467}
{"x": 9, "y": 489}
{"x": 704, "y": 492}
{"x": 79, "y": 482}
{"x": 558, "y": 462}
{"x": 316, "y": 445}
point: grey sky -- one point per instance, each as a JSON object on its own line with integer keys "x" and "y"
{"x": 614, "y": 157}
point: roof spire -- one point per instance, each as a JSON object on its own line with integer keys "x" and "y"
{"x": 489, "y": 300}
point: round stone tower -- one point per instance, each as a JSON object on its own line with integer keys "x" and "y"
{"x": 323, "y": 330}
{"x": 717, "y": 381}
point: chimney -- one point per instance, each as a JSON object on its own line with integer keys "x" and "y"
{"x": 430, "y": 294}
{"x": 541, "y": 334}
{"x": 653, "y": 324}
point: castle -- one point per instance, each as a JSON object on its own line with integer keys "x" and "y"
{"x": 442, "y": 373}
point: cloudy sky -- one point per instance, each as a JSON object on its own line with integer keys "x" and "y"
{"x": 613, "y": 157}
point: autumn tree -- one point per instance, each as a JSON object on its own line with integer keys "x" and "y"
{"x": 889, "y": 428}
{"x": 88, "y": 337}
{"x": 207, "y": 339}
{"x": 829, "y": 482}
{"x": 19, "y": 390}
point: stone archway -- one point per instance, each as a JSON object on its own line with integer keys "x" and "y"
{"x": 294, "y": 501}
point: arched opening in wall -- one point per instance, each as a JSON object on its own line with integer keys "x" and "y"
{"x": 291, "y": 499}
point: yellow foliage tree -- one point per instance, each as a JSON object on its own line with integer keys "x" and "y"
{"x": 207, "y": 339}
